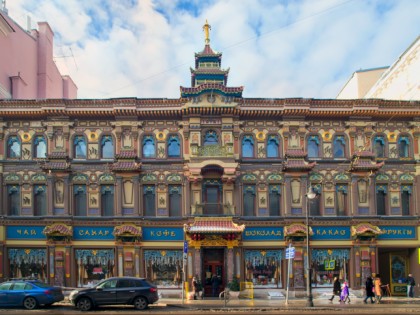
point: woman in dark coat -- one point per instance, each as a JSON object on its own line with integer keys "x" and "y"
{"x": 369, "y": 290}
{"x": 336, "y": 289}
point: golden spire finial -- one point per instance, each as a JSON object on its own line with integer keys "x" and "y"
{"x": 207, "y": 29}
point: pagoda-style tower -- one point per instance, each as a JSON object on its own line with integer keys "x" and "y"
{"x": 208, "y": 75}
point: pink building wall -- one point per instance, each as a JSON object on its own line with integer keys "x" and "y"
{"x": 27, "y": 68}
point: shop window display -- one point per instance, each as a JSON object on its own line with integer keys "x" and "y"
{"x": 327, "y": 264}
{"x": 163, "y": 267}
{"x": 94, "y": 265}
{"x": 28, "y": 262}
{"x": 263, "y": 267}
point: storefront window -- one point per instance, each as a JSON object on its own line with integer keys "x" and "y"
{"x": 28, "y": 262}
{"x": 327, "y": 263}
{"x": 93, "y": 265}
{"x": 163, "y": 267}
{"x": 263, "y": 267}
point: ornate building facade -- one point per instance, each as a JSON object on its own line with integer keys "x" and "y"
{"x": 213, "y": 180}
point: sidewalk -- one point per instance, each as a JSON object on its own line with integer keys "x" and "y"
{"x": 398, "y": 304}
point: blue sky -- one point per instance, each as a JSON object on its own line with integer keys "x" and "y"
{"x": 274, "y": 48}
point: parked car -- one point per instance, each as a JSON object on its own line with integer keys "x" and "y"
{"x": 29, "y": 293}
{"x": 117, "y": 290}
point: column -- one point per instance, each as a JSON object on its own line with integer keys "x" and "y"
{"x": 137, "y": 261}
{"x": 66, "y": 180}
{"x": 230, "y": 265}
{"x": 50, "y": 194}
{"x": 118, "y": 196}
{"x": 120, "y": 261}
{"x": 67, "y": 266}
{"x": 136, "y": 189}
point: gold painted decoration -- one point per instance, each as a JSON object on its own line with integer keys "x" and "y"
{"x": 326, "y": 136}
{"x": 160, "y": 136}
{"x": 365, "y": 228}
{"x": 93, "y": 136}
{"x": 391, "y": 136}
{"x": 26, "y": 137}
{"x": 260, "y": 135}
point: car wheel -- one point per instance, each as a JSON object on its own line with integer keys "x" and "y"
{"x": 84, "y": 304}
{"x": 140, "y": 303}
{"x": 30, "y": 303}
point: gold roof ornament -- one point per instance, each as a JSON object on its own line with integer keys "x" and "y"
{"x": 207, "y": 28}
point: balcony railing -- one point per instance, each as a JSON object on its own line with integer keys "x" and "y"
{"x": 212, "y": 209}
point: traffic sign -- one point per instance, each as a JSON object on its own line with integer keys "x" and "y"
{"x": 290, "y": 253}
{"x": 185, "y": 247}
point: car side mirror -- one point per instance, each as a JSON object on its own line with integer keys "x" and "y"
{"x": 99, "y": 289}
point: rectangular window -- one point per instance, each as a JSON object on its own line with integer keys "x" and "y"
{"x": 164, "y": 268}
{"x": 380, "y": 200}
{"x": 341, "y": 200}
{"x": 149, "y": 201}
{"x": 249, "y": 200}
{"x": 274, "y": 200}
{"x": 80, "y": 202}
{"x": 107, "y": 200}
{"x": 405, "y": 202}
{"x": 13, "y": 194}
{"x": 175, "y": 200}
{"x": 40, "y": 200}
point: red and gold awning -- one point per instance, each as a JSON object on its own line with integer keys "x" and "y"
{"x": 58, "y": 229}
{"x": 127, "y": 229}
{"x": 296, "y": 229}
{"x": 213, "y": 225}
{"x": 365, "y": 228}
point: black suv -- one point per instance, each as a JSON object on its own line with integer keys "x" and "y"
{"x": 117, "y": 290}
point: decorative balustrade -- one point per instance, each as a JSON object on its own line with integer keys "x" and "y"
{"x": 212, "y": 150}
{"x": 210, "y": 209}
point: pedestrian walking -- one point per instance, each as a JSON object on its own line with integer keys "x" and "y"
{"x": 410, "y": 285}
{"x": 196, "y": 288}
{"x": 345, "y": 292}
{"x": 215, "y": 285}
{"x": 369, "y": 290}
{"x": 336, "y": 289}
{"x": 378, "y": 290}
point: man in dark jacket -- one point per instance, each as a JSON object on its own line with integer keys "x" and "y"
{"x": 410, "y": 285}
{"x": 336, "y": 289}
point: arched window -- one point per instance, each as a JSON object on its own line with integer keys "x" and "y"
{"x": 13, "y": 194}
{"x": 13, "y": 147}
{"x": 339, "y": 146}
{"x": 149, "y": 150}
{"x": 79, "y": 147}
{"x": 107, "y": 200}
{"x": 211, "y": 138}
{"x": 40, "y": 200}
{"x": 403, "y": 147}
{"x": 40, "y": 147}
{"x": 80, "y": 200}
{"x": 174, "y": 146}
{"x": 107, "y": 147}
{"x": 379, "y": 146}
{"x": 249, "y": 200}
{"x": 313, "y": 147}
{"x": 273, "y": 146}
{"x": 248, "y": 147}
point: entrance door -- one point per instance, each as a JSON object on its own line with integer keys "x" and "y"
{"x": 214, "y": 280}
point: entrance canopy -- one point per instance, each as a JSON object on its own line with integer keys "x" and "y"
{"x": 213, "y": 226}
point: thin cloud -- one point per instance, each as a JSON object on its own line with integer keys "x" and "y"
{"x": 275, "y": 49}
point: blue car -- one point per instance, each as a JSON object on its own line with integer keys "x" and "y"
{"x": 29, "y": 293}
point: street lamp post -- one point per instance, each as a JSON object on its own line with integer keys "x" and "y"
{"x": 309, "y": 196}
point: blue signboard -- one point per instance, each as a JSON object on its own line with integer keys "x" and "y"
{"x": 330, "y": 233}
{"x": 163, "y": 234}
{"x": 397, "y": 232}
{"x": 95, "y": 233}
{"x": 263, "y": 234}
{"x": 25, "y": 232}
